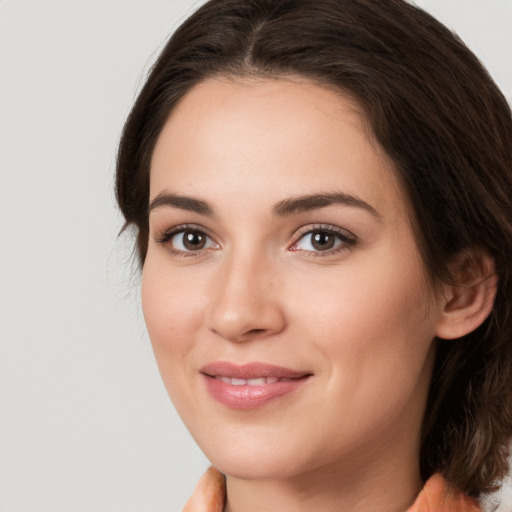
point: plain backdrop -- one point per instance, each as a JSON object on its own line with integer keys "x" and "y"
{"x": 85, "y": 423}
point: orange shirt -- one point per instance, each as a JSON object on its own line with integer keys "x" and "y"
{"x": 436, "y": 496}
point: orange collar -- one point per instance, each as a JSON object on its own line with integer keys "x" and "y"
{"x": 436, "y": 496}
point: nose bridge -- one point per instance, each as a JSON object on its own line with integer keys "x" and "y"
{"x": 244, "y": 303}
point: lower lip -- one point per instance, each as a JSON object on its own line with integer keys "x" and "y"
{"x": 247, "y": 397}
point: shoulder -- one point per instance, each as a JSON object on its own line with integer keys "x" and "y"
{"x": 209, "y": 494}
{"x": 438, "y": 496}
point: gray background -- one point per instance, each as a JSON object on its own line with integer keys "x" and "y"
{"x": 85, "y": 424}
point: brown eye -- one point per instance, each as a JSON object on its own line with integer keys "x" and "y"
{"x": 322, "y": 240}
{"x": 194, "y": 240}
{"x": 189, "y": 240}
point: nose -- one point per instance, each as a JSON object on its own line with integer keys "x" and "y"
{"x": 245, "y": 303}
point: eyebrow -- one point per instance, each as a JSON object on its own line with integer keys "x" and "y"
{"x": 182, "y": 202}
{"x": 314, "y": 201}
{"x": 283, "y": 208}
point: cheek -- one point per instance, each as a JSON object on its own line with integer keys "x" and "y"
{"x": 173, "y": 307}
{"x": 383, "y": 297}
{"x": 172, "y": 310}
{"x": 374, "y": 323}
{"x": 375, "y": 332}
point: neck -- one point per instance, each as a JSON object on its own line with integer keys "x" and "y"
{"x": 386, "y": 480}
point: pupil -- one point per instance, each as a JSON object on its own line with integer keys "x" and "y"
{"x": 193, "y": 240}
{"x": 323, "y": 240}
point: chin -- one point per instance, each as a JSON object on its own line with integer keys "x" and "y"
{"x": 245, "y": 468}
{"x": 251, "y": 460}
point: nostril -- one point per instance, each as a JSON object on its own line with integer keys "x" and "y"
{"x": 255, "y": 331}
{"x": 238, "y": 316}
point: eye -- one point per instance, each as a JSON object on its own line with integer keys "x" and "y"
{"x": 324, "y": 240}
{"x": 186, "y": 240}
{"x": 190, "y": 241}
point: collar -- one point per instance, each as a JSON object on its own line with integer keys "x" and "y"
{"x": 436, "y": 496}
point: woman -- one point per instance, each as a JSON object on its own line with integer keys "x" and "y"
{"x": 322, "y": 196}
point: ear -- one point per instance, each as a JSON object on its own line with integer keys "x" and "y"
{"x": 468, "y": 300}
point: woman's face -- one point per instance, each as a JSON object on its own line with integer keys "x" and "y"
{"x": 284, "y": 294}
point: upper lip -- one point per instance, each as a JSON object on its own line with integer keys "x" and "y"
{"x": 251, "y": 370}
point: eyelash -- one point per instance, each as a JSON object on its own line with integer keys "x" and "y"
{"x": 164, "y": 239}
{"x": 347, "y": 239}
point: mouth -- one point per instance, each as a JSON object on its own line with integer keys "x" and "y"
{"x": 258, "y": 381}
{"x": 252, "y": 385}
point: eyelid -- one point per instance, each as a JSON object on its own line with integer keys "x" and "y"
{"x": 165, "y": 236}
{"x": 348, "y": 239}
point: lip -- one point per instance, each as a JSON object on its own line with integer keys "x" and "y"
{"x": 223, "y": 381}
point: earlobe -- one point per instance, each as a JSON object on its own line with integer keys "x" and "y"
{"x": 468, "y": 300}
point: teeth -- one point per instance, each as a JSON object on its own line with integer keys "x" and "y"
{"x": 259, "y": 381}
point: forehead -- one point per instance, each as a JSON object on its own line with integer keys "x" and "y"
{"x": 245, "y": 134}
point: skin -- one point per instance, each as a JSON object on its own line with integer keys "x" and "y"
{"x": 361, "y": 318}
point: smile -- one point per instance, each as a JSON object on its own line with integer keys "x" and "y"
{"x": 250, "y": 386}
{"x": 259, "y": 381}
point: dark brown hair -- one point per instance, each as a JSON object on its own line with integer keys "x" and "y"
{"x": 440, "y": 117}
